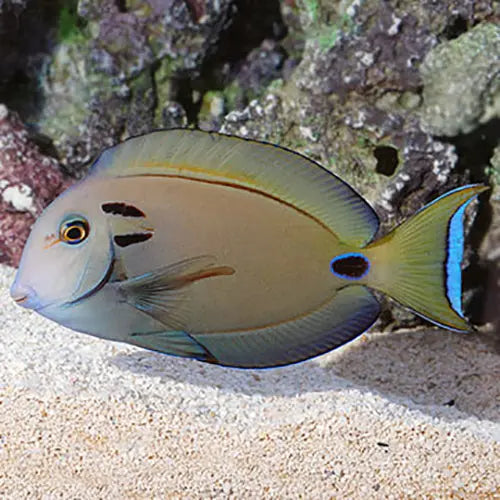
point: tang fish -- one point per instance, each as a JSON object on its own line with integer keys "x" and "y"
{"x": 234, "y": 252}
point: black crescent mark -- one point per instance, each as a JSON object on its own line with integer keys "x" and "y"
{"x": 120, "y": 208}
{"x": 105, "y": 279}
{"x": 125, "y": 240}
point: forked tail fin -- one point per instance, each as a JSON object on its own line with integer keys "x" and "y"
{"x": 419, "y": 262}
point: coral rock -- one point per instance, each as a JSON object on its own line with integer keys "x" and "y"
{"x": 462, "y": 82}
{"x": 29, "y": 181}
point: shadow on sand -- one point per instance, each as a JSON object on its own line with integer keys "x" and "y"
{"x": 437, "y": 370}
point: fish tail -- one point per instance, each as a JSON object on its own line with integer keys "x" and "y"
{"x": 419, "y": 263}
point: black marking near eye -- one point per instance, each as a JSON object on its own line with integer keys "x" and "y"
{"x": 350, "y": 266}
{"x": 120, "y": 208}
{"x": 98, "y": 287}
{"x": 125, "y": 240}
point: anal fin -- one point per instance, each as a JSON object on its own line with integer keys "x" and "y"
{"x": 348, "y": 314}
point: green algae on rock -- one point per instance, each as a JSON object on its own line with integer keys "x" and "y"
{"x": 101, "y": 84}
{"x": 462, "y": 81}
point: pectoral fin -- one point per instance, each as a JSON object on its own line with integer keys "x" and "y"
{"x": 163, "y": 293}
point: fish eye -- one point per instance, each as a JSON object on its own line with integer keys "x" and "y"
{"x": 74, "y": 231}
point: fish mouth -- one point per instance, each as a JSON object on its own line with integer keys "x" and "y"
{"x": 21, "y": 299}
{"x": 23, "y": 295}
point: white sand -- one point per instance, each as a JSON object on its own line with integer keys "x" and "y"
{"x": 85, "y": 418}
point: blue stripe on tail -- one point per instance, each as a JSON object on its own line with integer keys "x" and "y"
{"x": 455, "y": 251}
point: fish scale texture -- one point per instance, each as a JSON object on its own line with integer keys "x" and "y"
{"x": 406, "y": 415}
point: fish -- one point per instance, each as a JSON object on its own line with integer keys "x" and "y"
{"x": 233, "y": 252}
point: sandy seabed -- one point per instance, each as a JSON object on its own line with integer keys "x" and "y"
{"x": 412, "y": 414}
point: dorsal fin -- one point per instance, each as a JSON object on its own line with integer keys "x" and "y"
{"x": 262, "y": 167}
